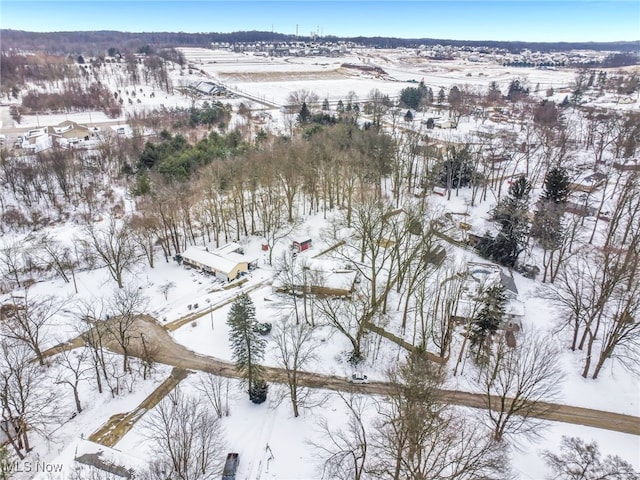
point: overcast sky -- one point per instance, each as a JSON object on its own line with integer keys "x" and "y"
{"x": 560, "y": 20}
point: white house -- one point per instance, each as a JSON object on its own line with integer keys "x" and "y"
{"x": 225, "y": 263}
{"x": 484, "y": 275}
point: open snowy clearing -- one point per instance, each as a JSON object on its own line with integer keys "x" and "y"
{"x": 242, "y": 72}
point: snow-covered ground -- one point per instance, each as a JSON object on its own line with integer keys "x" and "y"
{"x": 250, "y": 428}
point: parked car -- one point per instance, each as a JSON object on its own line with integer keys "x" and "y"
{"x": 358, "y": 378}
{"x": 263, "y": 328}
{"x": 230, "y": 466}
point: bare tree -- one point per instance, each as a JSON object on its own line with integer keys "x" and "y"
{"x": 114, "y": 246}
{"x": 418, "y": 436}
{"x": 377, "y": 105}
{"x": 11, "y": 261}
{"x": 343, "y": 452}
{"x": 187, "y": 437}
{"x": 516, "y": 379}
{"x": 216, "y": 389}
{"x": 367, "y": 237}
{"x": 272, "y": 213}
{"x": 578, "y": 460}
{"x": 27, "y": 402}
{"x": 349, "y": 316}
{"x": 93, "y": 332}
{"x": 165, "y": 288}
{"x": 53, "y": 254}
{"x": 295, "y": 348}
{"x": 295, "y": 278}
{"x": 144, "y": 233}
{"x": 446, "y": 291}
{"x": 599, "y": 300}
{"x": 76, "y": 369}
{"x": 296, "y": 98}
{"x": 620, "y": 337}
{"x": 125, "y": 306}
{"x": 30, "y": 318}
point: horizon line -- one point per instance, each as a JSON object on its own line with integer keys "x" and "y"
{"x": 569, "y": 42}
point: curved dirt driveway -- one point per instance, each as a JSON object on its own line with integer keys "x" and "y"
{"x": 166, "y": 350}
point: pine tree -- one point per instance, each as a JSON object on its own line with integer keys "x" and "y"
{"x": 246, "y": 343}
{"x": 547, "y": 225}
{"x": 511, "y": 214}
{"x": 408, "y": 117}
{"x": 488, "y": 319}
{"x": 556, "y": 185}
{"x": 258, "y": 392}
{"x": 457, "y": 169}
{"x": 304, "y": 115}
{"x": 325, "y": 105}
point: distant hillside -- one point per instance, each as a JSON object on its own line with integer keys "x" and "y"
{"x": 97, "y": 43}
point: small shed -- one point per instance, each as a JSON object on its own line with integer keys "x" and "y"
{"x": 301, "y": 245}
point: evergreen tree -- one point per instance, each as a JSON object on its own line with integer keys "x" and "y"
{"x": 516, "y": 91}
{"x": 556, "y": 185}
{"x": 411, "y": 97}
{"x": 547, "y": 225}
{"x": 325, "y": 105}
{"x": 488, "y": 319}
{"x": 304, "y": 115}
{"x": 511, "y": 209}
{"x": 258, "y": 392}
{"x": 246, "y": 343}
{"x": 143, "y": 184}
{"x": 455, "y": 97}
{"x": 441, "y": 96}
{"x": 576, "y": 96}
{"x": 340, "y": 106}
{"x": 408, "y": 117}
{"x": 512, "y": 215}
{"x": 457, "y": 168}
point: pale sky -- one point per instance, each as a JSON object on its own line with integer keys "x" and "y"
{"x": 561, "y": 20}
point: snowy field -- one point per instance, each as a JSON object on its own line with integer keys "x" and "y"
{"x": 272, "y": 79}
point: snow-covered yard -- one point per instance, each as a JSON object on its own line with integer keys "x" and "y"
{"x": 272, "y": 443}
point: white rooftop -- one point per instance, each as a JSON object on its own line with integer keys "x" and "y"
{"x": 212, "y": 260}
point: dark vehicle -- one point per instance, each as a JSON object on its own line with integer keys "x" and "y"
{"x": 262, "y": 328}
{"x": 230, "y": 467}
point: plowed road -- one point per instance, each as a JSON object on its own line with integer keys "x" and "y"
{"x": 166, "y": 351}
